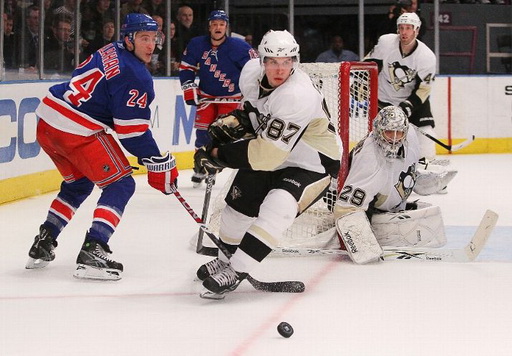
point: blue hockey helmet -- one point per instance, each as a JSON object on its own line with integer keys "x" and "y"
{"x": 218, "y": 15}
{"x": 137, "y": 22}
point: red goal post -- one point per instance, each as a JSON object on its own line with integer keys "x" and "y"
{"x": 357, "y": 80}
{"x": 350, "y": 90}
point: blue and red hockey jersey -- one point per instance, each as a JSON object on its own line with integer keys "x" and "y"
{"x": 112, "y": 89}
{"x": 218, "y": 68}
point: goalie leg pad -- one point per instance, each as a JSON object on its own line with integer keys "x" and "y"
{"x": 423, "y": 227}
{"x": 356, "y": 233}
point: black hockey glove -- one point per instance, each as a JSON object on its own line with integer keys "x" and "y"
{"x": 231, "y": 127}
{"x": 406, "y": 106}
{"x": 208, "y": 163}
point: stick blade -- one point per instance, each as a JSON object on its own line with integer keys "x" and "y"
{"x": 277, "y": 287}
{"x": 481, "y": 235}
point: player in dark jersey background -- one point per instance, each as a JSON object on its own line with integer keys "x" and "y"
{"x": 217, "y": 60}
{"x": 110, "y": 92}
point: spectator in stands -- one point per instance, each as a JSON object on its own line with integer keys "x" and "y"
{"x": 105, "y": 37}
{"x": 28, "y": 39}
{"x": 388, "y": 25}
{"x": 154, "y": 66}
{"x": 59, "y": 50}
{"x": 67, "y": 9}
{"x": 175, "y": 56}
{"x": 96, "y": 14}
{"x": 248, "y": 39}
{"x": 9, "y": 42}
{"x": 186, "y": 29}
{"x": 337, "y": 53}
{"x": 49, "y": 7}
{"x": 133, "y": 6}
{"x": 155, "y": 7}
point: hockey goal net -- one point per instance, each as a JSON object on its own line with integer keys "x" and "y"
{"x": 350, "y": 91}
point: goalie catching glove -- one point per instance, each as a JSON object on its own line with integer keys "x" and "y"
{"x": 208, "y": 164}
{"x": 231, "y": 127}
{"x": 162, "y": 173}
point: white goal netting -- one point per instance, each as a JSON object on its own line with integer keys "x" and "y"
{"x": 348, "y": 89}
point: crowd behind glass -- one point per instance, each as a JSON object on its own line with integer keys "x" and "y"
{"x": 40, "y": 42}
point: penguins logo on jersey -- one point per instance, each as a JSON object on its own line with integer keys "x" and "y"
{"x": 235, "y": 193}
{"x": 406, "y": 182}
{"x": 400, "y": 75}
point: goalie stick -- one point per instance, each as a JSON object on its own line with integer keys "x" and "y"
{"x": 451, "y": 148}
{"x": 277, "y": 287}
{"x": 467, "y": 253}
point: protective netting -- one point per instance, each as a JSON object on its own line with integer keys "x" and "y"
{"x": 315, "y": 227}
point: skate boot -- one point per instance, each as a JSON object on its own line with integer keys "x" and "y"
{"x": 41, "y": 253}
{"x": 210, "y": 268}
{"x": 93, "y": 262}
{"x": 222, "y": 282}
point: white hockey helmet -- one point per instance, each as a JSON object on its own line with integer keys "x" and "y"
{"x": 409, "y": 18}
{"x": 387, "y": 126}
{"x": 278, "y": 44}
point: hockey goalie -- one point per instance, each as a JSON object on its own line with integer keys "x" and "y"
{"x": 371, "y": 210}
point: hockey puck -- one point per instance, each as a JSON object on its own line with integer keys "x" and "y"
{"x": 285, "y": 329}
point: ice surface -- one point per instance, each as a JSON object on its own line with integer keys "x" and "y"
{"x": 391, "y": 308}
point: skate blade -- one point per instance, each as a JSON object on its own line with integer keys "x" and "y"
{"x": 196, "y": 184}
{"x": 206, "y": 294}
{"x": 36, "y": 263}
{"x": 89, "y": 272}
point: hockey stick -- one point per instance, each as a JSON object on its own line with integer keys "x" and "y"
{"x": 219, "y": 101}
{"x": 465, "y": 254}
{"x": 200, "y": 248}
{"x": 278, "y": 287}
{"x": 451, "y": 148}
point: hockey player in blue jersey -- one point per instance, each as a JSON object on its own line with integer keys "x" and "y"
{"x": 110, "y": 91}
{"x": 217, "y": 60}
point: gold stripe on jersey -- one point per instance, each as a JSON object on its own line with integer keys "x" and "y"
{"x": 423, "y": 92}
{"x": 321, "y": 139}
{"x": 264, "y": 155}
{"x": 263, "y": 236}
{"x": 312, "y": 191}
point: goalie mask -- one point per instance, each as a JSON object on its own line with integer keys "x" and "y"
{"x": 278, "y": 44}
{"x": 390, "y": 130}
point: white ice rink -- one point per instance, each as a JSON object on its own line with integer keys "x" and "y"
{"x": 390, "y": 308}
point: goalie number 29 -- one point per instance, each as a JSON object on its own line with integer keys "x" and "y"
{"x": 352, "y": 196}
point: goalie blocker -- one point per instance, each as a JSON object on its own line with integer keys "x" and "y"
{"x": 422, "y": 227}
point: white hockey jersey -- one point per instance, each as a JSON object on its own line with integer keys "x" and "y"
{"x": 402, "y": 76}
{"x": 382, "y": 183}
{"x": 297, "y": 133}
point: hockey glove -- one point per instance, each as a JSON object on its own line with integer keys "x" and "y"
{"x": 406, "y": 106}
{"x": 204, "y": 159}
{"x": 162, "y": 173}
{"x": 190, "y": 93}
{"x": 231, "y": 127}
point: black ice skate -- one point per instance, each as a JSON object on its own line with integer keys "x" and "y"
{"x": 41, "y": 253}
{"x": 210, "y": 268}
{"x": 220, "y": 283}
{"x": 94, "y": 263}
